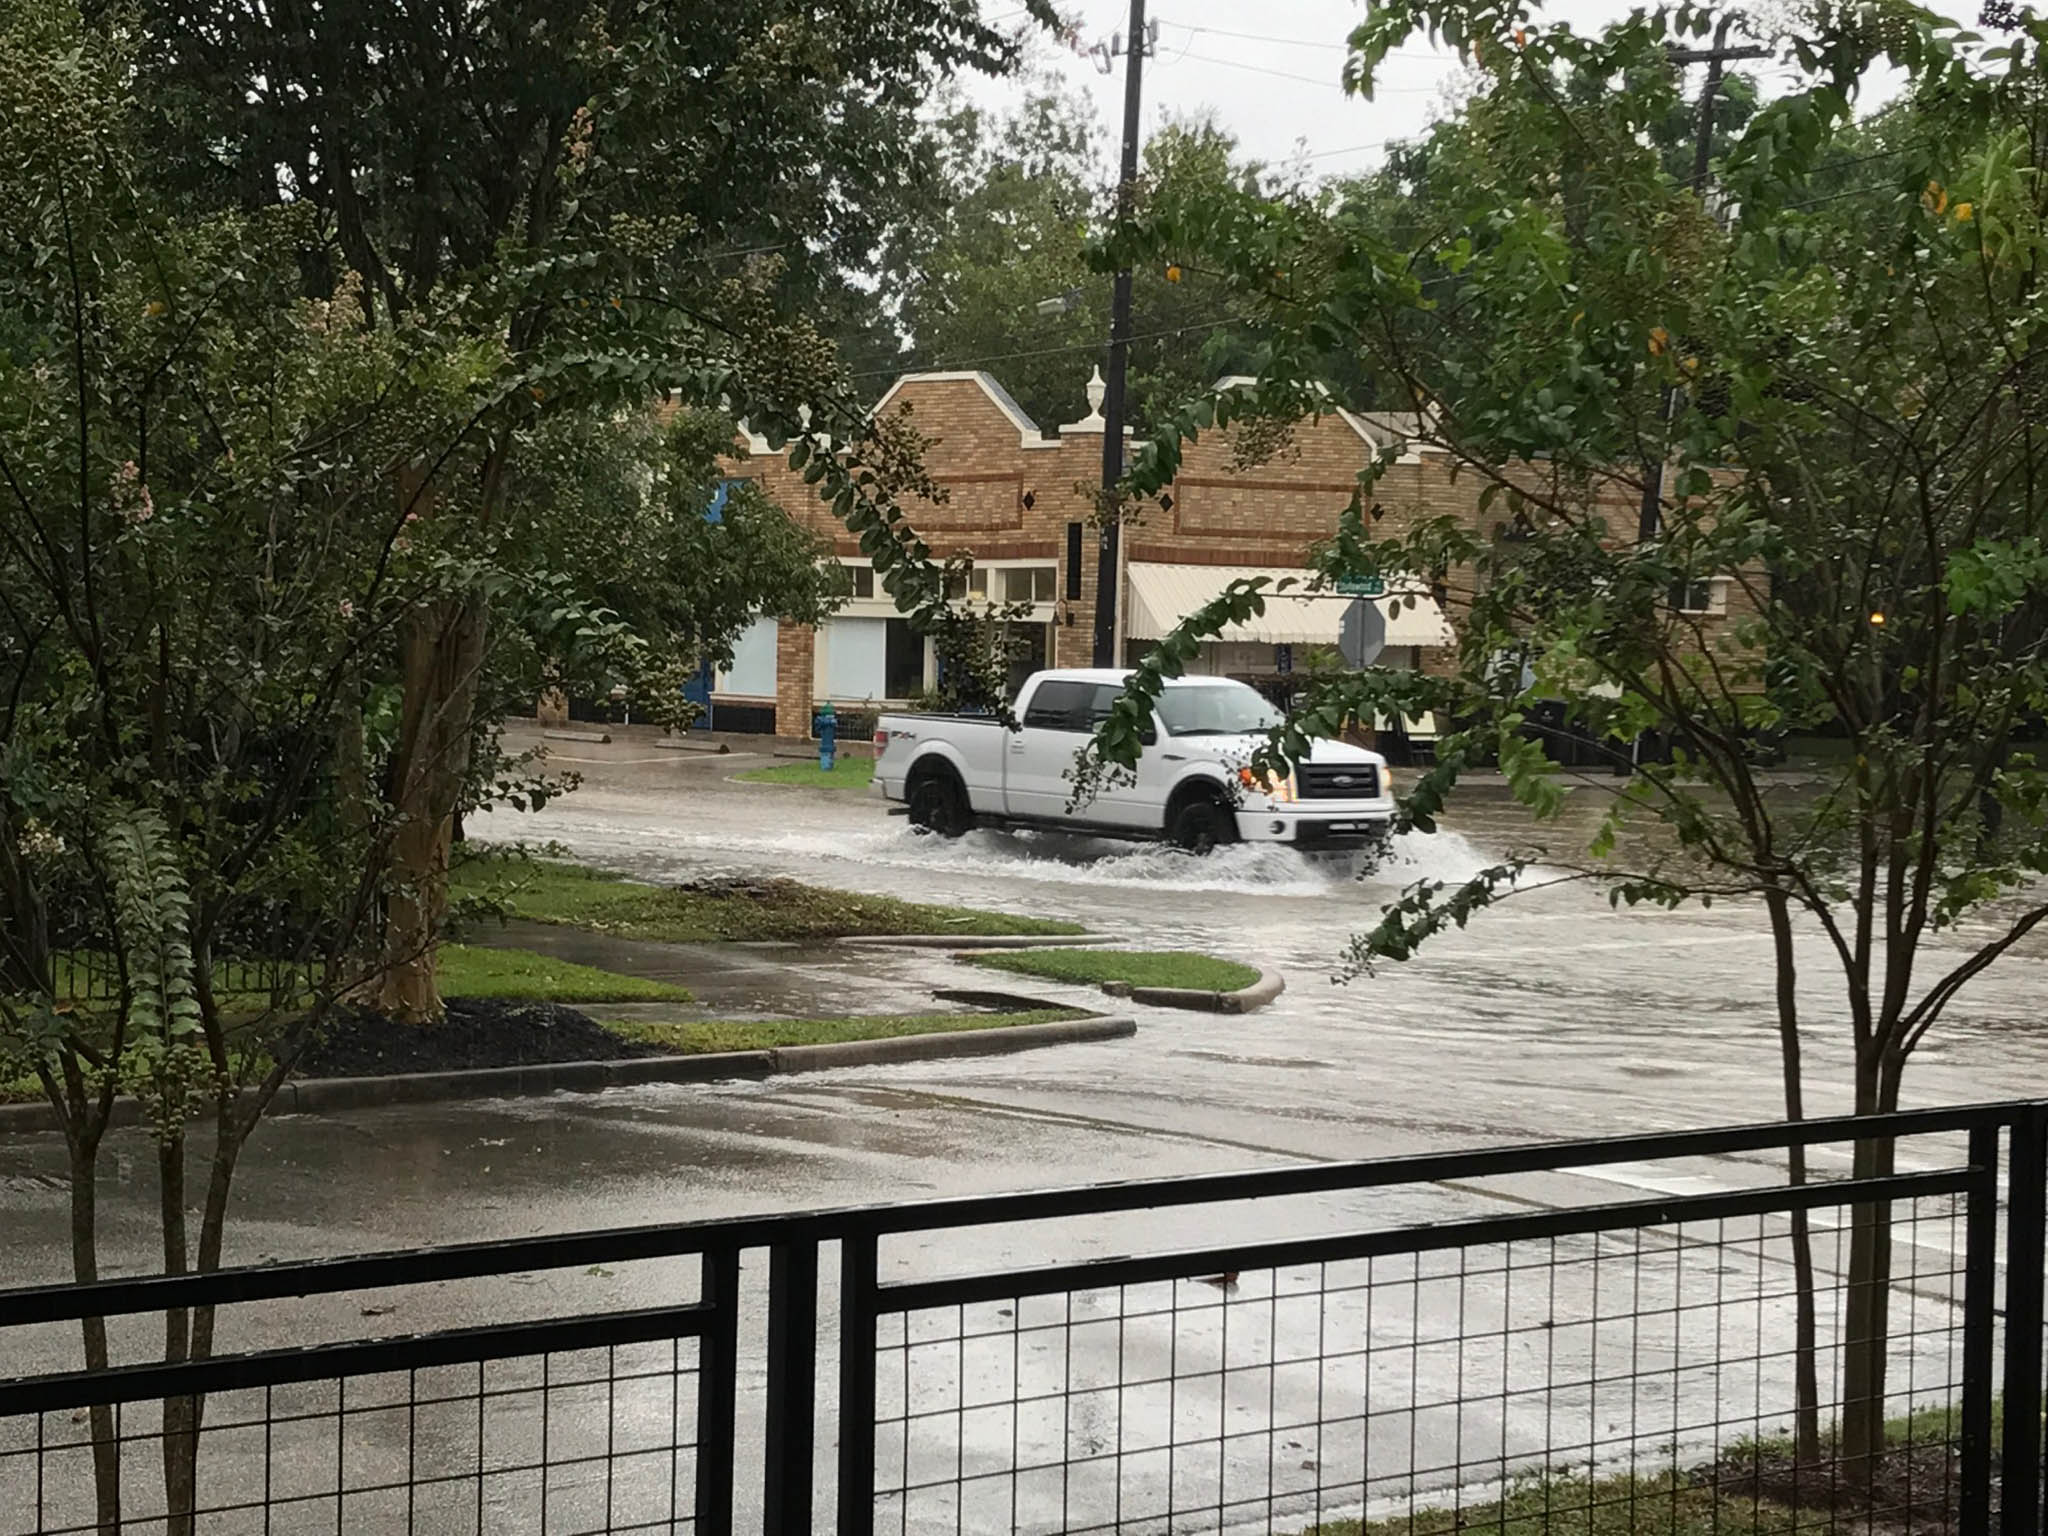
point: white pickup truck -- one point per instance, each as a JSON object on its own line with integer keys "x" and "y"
{"x": 1192, "y": 787}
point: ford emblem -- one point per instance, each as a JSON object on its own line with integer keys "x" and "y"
{"x": 1343, "y": 778}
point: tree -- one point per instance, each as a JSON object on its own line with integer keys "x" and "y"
{"x": 588, "y": 192}
{"x": 644, "y": 569}
{"x": 1026, "y": 193}
{"x": 222, "y": 510}
{"x": 201, "y": 557}
{"x": 1840, "y": 378}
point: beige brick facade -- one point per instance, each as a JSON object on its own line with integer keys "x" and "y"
{"x": 1014, "y": 493}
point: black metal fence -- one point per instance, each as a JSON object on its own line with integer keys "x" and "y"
{"x": 1470, "y": 1341}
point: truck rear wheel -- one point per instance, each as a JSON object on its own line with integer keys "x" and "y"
{"x": 938, "y": 804}
{"x": 1200, "y": 825}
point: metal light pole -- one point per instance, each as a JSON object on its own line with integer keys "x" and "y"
{"x": 1107, "y": 572}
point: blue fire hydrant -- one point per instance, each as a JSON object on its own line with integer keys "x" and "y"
{"x": 827, "y": 727}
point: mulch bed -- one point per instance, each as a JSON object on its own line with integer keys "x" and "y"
{"x": 477, "y": 1032}
{"x": 1914, "y": 1488}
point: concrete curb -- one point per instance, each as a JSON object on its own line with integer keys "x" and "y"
{"x": 328, "y": 1095}
{"x": 968, "y": 941}
{"x": 1261, "y": 992}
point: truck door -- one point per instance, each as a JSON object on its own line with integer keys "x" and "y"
{"x": 1142, "y": 805}
{"x": 1036, "y": 758}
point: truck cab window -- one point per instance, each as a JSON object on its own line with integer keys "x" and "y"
{"x": 1059, "y": 706}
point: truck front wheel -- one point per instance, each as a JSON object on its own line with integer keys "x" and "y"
{"x": 1200, "y": 825}
{"x": 938, "y": 804}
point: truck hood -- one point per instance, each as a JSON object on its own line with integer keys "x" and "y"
{"x": 1239, "y": 749}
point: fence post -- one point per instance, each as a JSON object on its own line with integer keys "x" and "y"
{"x": 786, "y": 1497}
{"x": 2026, "y": 1256}
{"x": 1980, "y": 1300}
{"x": 857, "y": 1385}
{"x": 717, "y": 1370}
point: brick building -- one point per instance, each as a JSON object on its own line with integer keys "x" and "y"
{"x": 1018, "y": 500}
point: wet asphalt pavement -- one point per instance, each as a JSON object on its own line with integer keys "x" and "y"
{"x": 1551, "y": 1016}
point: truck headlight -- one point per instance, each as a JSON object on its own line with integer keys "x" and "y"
{"x": 1386, "y": 781}
{"x": 1274, "y": 786}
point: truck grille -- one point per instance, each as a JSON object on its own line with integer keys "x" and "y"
{"x": 1337, "y": 781}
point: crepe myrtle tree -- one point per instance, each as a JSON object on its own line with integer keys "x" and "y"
{"x": 1834, "y": 357}
{"x": 202, "y": 559}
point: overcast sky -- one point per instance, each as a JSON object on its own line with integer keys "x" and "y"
{"x": 1269, "y": 70}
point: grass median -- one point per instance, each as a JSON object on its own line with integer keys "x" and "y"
{"x": 855, "y": 773}
{"x": 693, "y": 1036}
{"x": 520, "y": 975}
{"x": 551, "y": 891}
{"x": 1139, "y": 967}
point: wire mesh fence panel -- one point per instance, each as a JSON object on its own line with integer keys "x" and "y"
{"x": 1642, "y": 1379}
{"x": 570, "y": 1442}
{"x": 1443, "y": 1351}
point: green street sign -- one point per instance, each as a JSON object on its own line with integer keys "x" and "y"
{"x": 1362, "y": 586}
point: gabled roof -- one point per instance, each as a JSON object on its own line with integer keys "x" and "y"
{"x": 1377, "y": 428}
{"x": 1027, "y": 429}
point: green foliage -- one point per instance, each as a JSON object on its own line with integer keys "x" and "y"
{"x": 154, "y": 907}
{"x": 1834, "y": 367}
{"x": 1022, "y": 195}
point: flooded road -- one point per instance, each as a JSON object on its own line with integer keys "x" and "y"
{"x": 1551, "y": 1016}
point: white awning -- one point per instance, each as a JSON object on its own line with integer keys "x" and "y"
{"x": 1163, "y": 595}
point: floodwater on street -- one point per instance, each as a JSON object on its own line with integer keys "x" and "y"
{"x": 1551, "y": 1016}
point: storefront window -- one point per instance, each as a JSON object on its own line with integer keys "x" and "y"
{"x": 903, "y": 662}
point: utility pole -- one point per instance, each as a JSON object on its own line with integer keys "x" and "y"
{"x": 1107, "y": 570}
{"x": 1651, "y": 515}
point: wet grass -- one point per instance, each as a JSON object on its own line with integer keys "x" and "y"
{"x": 1751, "y": 1488}
{"x": 855, "y": 773}
{"x": 1139, "y": 967}
{"x": 520, "y": 975}
{"x": 551, "y": 891}
{"x": 1578, "y": 1506}
{"x": 694, "y": 1037}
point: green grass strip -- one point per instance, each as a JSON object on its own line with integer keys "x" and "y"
{"x": 1139, "y": 967}
{"x": 855, "y": 773}
{"x": 520, "y": 975}
{"x": 696, "y": 1036}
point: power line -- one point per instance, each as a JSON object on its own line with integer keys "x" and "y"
{"x": 1298, "y": 42}
{"x": 1324, "y": 80}
{"x": 1349, "y": 149}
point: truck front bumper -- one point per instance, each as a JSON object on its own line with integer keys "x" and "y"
{"x": 1363, "y": 827}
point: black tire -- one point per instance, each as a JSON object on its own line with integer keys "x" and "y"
{"x": 938, "y": 804}
{"x": 1199, "y": 825}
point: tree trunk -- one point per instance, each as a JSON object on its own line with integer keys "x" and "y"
{"x": 184, "y": 1417}
{"x": 444, "y": 643}
{"x": 1867, "y": 1314}
{"x": 181, "y": 1429}
{"x": 1806, "y": 1332}
{"x": 85, "y": 1269}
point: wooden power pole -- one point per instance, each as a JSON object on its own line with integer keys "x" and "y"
{"x": 1107, "y": 573}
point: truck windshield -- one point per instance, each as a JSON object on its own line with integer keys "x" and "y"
{"x": 1216, "y": 709}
